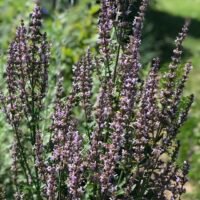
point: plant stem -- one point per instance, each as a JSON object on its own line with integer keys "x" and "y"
{"x": 116, "y": 63}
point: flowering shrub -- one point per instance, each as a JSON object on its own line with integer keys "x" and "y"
{"x": 114, "y": 135}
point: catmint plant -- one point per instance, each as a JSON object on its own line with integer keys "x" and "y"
{"x": 114, "y": 136}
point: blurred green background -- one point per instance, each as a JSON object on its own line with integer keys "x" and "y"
{"x": 72, "y": 27}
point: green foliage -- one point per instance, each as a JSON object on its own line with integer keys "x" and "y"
{"x": 183, "y": 8}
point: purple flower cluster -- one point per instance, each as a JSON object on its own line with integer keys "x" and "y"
{"x": 27, "y": 77}
{"x": 105, "y": 27}
{"x": 82, "y": 83}
{"x": 125, "y": 146}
